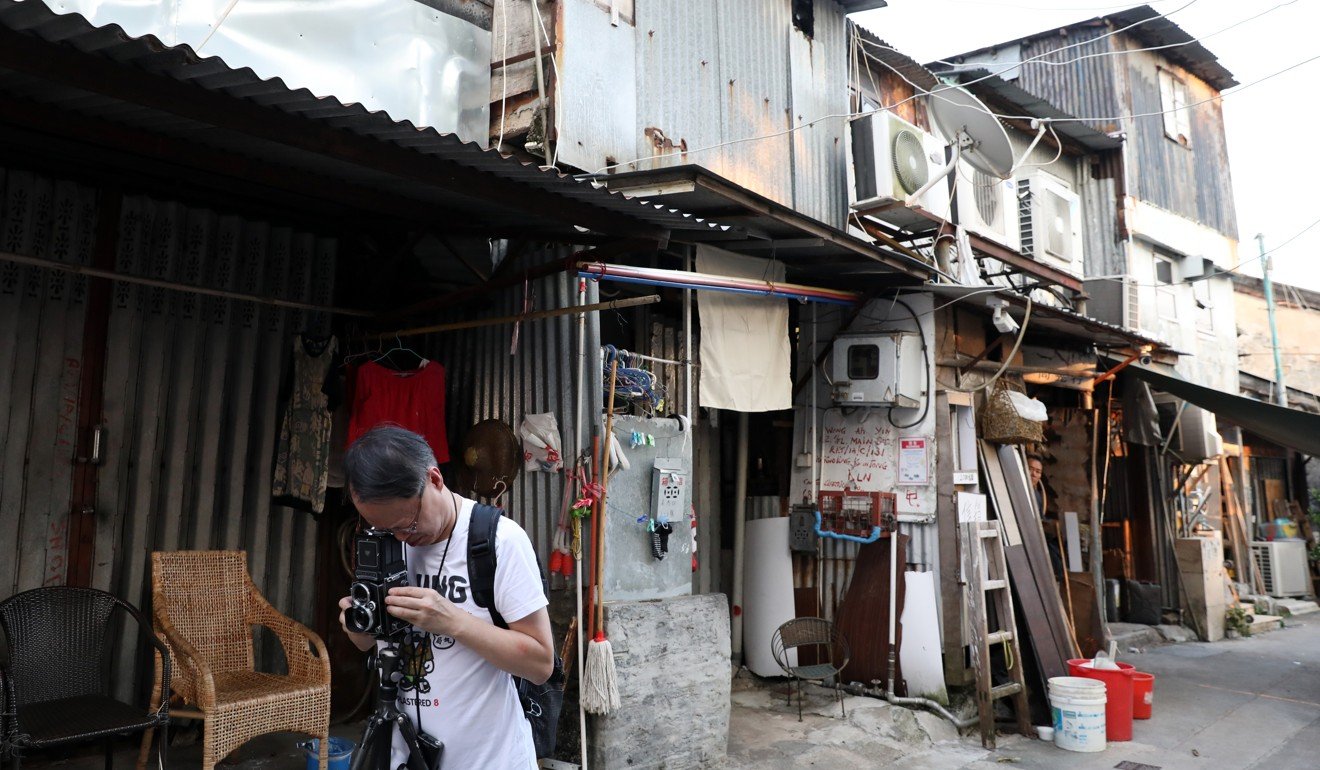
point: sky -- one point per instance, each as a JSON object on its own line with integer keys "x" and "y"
{"x": 1276, "y": 180}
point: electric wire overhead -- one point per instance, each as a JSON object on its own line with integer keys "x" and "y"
{"x": 853, "y": 115}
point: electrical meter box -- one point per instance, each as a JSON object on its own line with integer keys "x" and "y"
{"x": 669, "y": 490}
{"x": 802, "y": 528}
{"x": 878, "y": 369}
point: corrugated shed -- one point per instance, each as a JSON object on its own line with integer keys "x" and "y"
{"x": 1193, "y": 181}
{"x": 818, "y": 71}
{"x": 753, "y": 58}
{"x": 191, "y": 395}
{"x": 39, "y": 372}
{"x": 1086, "y": 87}
{"x": 678, "y": 84}
{"x": 713, "y": 73}
{"x": 1100, "y": 184}
{"x": 485, "y": 380}
{"x": 192, "y": 409}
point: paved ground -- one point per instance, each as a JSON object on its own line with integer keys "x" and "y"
{"x": 1245, "y": 703}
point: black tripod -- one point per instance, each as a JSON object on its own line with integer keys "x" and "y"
{"x": 378, "y": 737}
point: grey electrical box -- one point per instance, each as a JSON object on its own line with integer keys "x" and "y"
{"x": 802, "y": 528}
{"x": 668, "y": 485}
{"x": 878, "y": 369}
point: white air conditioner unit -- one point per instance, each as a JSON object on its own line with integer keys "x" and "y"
{"x": 1198, "y": 435}
{"x": 892, "y": 159}
{"x": 1115, "y": 300}
{"x": 1283, "y": 567}
{"x": 988, "y": 206}
{"x": 1050, "y": 219}
{"x": 878, "y": 370}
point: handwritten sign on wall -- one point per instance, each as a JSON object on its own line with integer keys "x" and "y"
{"x": 859, "y": 451}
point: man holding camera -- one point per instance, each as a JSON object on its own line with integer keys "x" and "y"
{"x": 456, "y": 663}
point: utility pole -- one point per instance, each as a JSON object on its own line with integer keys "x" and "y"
{"x": 1274, "y": 329}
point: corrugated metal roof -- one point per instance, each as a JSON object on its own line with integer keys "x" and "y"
{"x": 1153, "y": 29}
{"x": 853, "y": 6}
{"x": 810, "y": 248}
{"x": 1034, "y": 106}
{"x": 904, "y": 65}
{"x": 76, "y": 91}
{"x": 1051, "y": 321}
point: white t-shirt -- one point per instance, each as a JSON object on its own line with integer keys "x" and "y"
{"x": 466, "y": 702}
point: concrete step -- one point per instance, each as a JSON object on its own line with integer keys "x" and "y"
{"x": 1296, "y": 606}
{"x": 1134, "y": 636}
{"x": 1263, "y": 624}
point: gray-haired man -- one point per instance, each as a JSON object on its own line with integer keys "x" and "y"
{"x": 456, "y": 662}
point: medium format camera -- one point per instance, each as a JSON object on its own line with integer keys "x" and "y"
{"x": 380, "y": 567}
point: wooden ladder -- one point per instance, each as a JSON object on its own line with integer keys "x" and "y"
{"x": 987, "y": 584}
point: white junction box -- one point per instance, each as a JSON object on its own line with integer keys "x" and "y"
{"x": 878, "y": 369}
{"x": 668, "y": 485}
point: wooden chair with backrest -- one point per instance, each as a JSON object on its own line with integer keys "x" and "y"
{"x": 204, "y": 604}
{"x": 818, "y": 639}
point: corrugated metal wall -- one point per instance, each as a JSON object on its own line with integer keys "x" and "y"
{"x": 1192, "y": 181}
{"x": 1085, "y": 88}
{"x": 191, "y": 388}
{"x": 41, "y": 319}
{"x": 485, "y": 380}
{"x": 711, "y": 73}
{"x": 818, "y": 72}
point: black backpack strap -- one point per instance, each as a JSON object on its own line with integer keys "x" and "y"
{"x": 481, "y": 558}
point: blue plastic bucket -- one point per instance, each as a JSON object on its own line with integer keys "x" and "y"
{"x": 341, "y": 753}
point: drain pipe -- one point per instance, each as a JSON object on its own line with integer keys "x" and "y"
{"x": 857, "y": 688}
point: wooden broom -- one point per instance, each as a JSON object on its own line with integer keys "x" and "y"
{"x": 600, "y": 690}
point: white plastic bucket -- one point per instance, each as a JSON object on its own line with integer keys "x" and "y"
{"x": 1078, "y": 708}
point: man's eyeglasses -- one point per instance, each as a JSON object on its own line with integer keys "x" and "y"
{"x": 412, "y": 526}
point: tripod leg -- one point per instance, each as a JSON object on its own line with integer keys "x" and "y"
{"x": 369, "y": 753}
{"x": 416, "y": 759}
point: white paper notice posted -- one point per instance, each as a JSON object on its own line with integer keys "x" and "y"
{"x": 913, "y": 461}
{"x": 971, "y": 507}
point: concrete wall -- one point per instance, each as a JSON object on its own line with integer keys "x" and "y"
{"x": 673, "y": 666}
{"x": 1173, "y": 313}
{"x": 631, "y": 571}
{"x": 1299, "y": 328}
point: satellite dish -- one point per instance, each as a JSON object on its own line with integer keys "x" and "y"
{"x": 977, "y": 135}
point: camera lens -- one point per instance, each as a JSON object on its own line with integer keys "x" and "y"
{"x": 360, "y": 619}
{"x": 360, "y": 593}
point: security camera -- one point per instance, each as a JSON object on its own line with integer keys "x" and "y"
{"x": 1145, "y": 360}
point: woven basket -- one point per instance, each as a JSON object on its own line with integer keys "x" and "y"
{"x": 1000, "y": 422}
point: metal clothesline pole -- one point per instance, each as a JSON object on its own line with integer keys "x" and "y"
{"x": 649, "y": 299}
{"x": 156, "y": 283}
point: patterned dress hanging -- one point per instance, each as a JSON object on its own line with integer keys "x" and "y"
{"x": 302, "y": 458}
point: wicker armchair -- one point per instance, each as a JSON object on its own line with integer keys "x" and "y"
{"x": 821, "y": 637}
{"x": 53, "y": 690}
{"x": 204, "y": 604}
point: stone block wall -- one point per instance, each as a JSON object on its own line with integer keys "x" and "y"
{"x": 672, "y": 661}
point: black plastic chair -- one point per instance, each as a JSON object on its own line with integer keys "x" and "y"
{"x": 55, "y": 683}
{"x": 829, "y": 646}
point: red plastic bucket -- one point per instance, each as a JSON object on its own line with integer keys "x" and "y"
{"x": 1143, "y": 694}
{"x": 1118, "y": 691}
